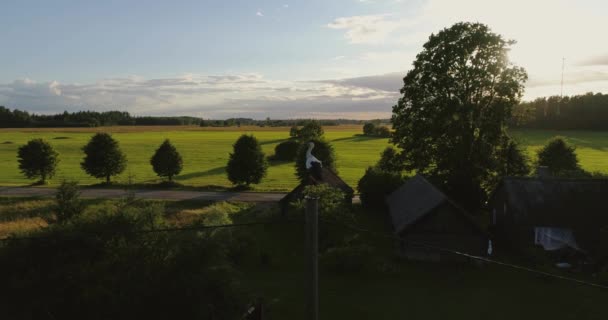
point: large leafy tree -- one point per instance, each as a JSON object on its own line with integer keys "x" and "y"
{"x": 166, "y": 161}
{"x": 247, "y": 163}
{"x": 37, "y": 159}
{"x": 456, "y": 101}
{"x": 559, "y": 157}
{"x": 103, "y": 157}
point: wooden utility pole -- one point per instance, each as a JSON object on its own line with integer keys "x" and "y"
{"x": 312, "y": 247}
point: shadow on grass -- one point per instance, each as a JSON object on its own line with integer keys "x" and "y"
{"x": 358, "y": 138}
{"x": 175, "y": 186}
{"x": 272, "y": 141}
{"x": 200, "y": 174}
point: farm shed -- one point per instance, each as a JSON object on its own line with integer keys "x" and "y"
{"x": 421, "y": 213}
{"x": 323, "y": 176}
{"x": 553, "y": 213}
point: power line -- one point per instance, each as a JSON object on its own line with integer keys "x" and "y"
{"x": 470, "y": 256}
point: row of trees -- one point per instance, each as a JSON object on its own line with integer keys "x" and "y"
{"x": 19, "y": 119}
{"x": 103, "y": 159}
{"x": 583, "y": 112}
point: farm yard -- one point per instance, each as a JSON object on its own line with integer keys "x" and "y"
{"x": 206, "y": 150}
{"x": 400, "y": 289}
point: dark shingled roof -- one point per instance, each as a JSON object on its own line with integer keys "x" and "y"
{"x": 413, "y": 200}
{"x": 554, "y": 202}
{"x": 327, "y": 177}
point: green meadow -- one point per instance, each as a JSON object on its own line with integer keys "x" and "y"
{"x": 205, "y": 152}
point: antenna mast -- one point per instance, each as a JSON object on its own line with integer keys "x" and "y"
{"x": 561, "y": 94}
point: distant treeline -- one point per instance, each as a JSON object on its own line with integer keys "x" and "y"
{"x": 580, "y": 112}
{"x": 23, "y": 119}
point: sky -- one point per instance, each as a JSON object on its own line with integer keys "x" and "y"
{"x": 279, "y": 59}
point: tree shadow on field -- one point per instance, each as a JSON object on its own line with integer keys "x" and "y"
{"x": 200, "y": 174}
{"x": 358, "y": 138}
{"x": 272, "y": 141}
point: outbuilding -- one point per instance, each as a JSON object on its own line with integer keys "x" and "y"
{"x": 431, "y": 226}
{"x": 555, "y": 214}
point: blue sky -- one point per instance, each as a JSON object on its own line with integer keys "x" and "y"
{"x": 323, "y": 59}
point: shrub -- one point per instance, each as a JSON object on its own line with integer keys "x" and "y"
{"x": 68, "y": 200}
{"x": 347, "y": 258}
{"x": 116, "y": 263}
{"x": 286, "y": 150}
{"x": 513, "y": 161}
{"x": 166, "y": 161}
{"x": 37, "y": 159}
{"x": 103, "y": 157}
{"x": 332, "y": 201}
{"x": 369, "y": 129}
{"x": 390, "y": 160}
{"x": 310, "y": 131}
{"x": 376, "y": 184}
{"x": 247, "y": 163}
{"x": 322, "y": 150}
{"x": 558, "y": 156}
{"x": 383, "y": 132}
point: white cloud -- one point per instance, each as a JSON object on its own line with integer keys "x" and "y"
{"x": 369, "y": 29}
{"x": 210, "y": 96}
{"x": 259, "y": 13}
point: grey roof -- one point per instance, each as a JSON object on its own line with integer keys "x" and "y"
{"x": 554, "y": 201}
{"x": 413, "y": 200}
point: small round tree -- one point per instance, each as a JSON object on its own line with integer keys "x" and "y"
{"x": 286, "y": 150}
{"x": 390, "y": 160}
{"x": 37, "y": 159}
{"x": 166, "y": 161}
{"x": 558, "y": 156}
{"x": 513, "y": 161}
{"x": 247, "y": 163}
{"x": 103, "y": 157}
{"x": 369, "y": 129}
{"x": 311, "y": 130}
{"x": 323, "y": 151}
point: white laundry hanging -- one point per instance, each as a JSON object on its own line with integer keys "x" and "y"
{"x": 554, "y": 238}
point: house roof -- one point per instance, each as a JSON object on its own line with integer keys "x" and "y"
{"x": 553, "y": 202}
{"x": 327, "y": 177}
{"x": 413, "y": 200}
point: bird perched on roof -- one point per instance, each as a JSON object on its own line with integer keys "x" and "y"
{"x": 310, "y": 159}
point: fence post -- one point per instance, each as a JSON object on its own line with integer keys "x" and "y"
{"x": 312, "y": 247}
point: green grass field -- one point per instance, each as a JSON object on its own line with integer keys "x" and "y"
{"x": 205, "y": 152}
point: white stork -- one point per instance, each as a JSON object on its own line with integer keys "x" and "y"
{"x": 310, "y": 159}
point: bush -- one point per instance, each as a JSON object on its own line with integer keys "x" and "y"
{"x": 383, "y": 132}
{"x": 37, "y": 159}
{"x": 111, "y": 260}
{"x": 332, "y": 201}
{"x": 68, "y": 200}
{"x": 166, "y": 161}
{"x": 322, "y": 150}
{"x": 390, "y": 160}
{"x": 103, "y": 157}
{"x": 347, "y": 258}
{"x": 375, "y": 185}
{"x": 312, "y": 130}
{"x": 558, "y": 156}
{"x": 369, "y": 129}
{"x": 247, "y": 163}
{"x": 286, "y": 150}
